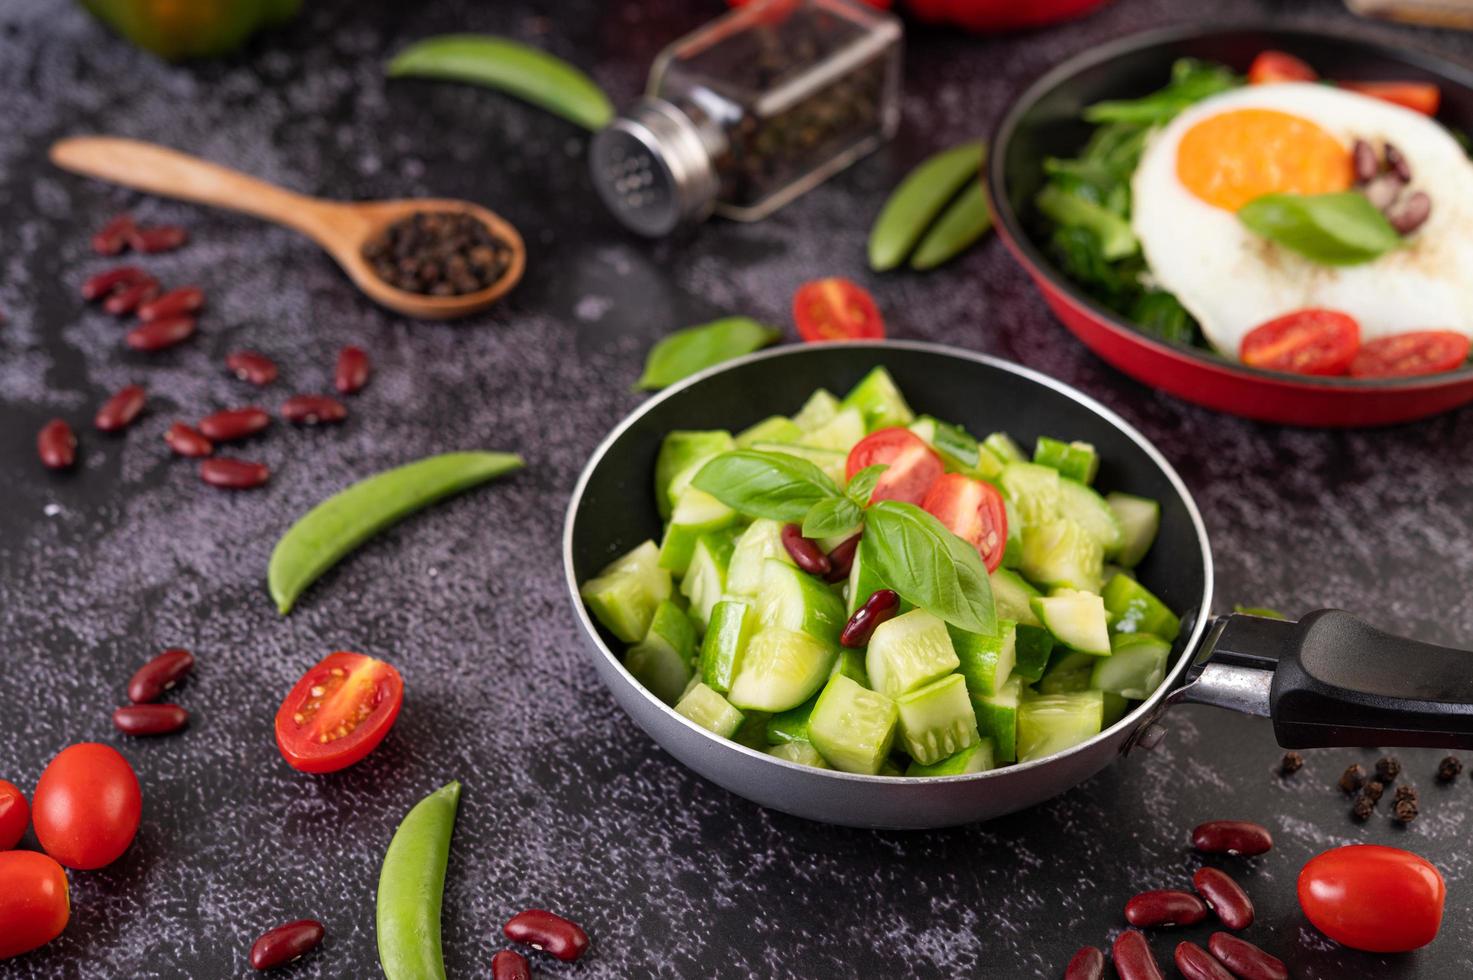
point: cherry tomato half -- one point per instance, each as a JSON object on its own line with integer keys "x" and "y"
{"x": 836, "y": 309}
{"x": 1311, "y": 341}
{"x": 1276, "y": 66}
{"x": 911, "y": 466}
{"x": 338, "y": 712}
{"x": 1422, "y": 97}
{"x": 1379, "y": 899}
{"x": 87, "y": 806}
{"x": 1404, "y": 355}
{"x": 15, "y": 815}
{"x": 974, "y": 512}
{"x": 34, "y": 903}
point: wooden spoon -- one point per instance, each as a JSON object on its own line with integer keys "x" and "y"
{"x": 341, "y": 228}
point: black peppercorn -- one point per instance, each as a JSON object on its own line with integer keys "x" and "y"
{"x": 1405, "y": 792}
{"x": 442, "y": 253}
{"x": 1387, "y": 769}
{"x": 1374, "y": 789}
{"x": 1405, "y": 810}
{"x": 1353, "y": 778}
{"x": 1291, "y": 763}
{"x": 1363, "y": 807}
{"x": 1449, "y": 769}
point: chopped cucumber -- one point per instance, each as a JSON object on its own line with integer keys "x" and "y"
{"x": 831, "y": 461}
{"x": 1060, "y": 554}
{"x": 987, "y": 661}
{"x": 1034, "y": 491}
{"x": 780, "y": 669}
{"x": 1088, "y": 509}
{"x": 1137, "y": 610}
{"x": 1068, "y": 671}
{"x": 997, "y": 719}
{"x": 774, "y": 428}
{"x": 763, "y": 539}
{"x": 839, "y": 433}
{"x": 1033, "y": 648}
{"x": 705, "y": 580}
{"x": 791, "y": 725}
{"x": 624, "y": 596}
{"x": 733, "y": 621}
{"x": 709, "y": 710}
{"x": 1140, "y": 519}
{"x": 695, "y": 514}
{"x": 1012, "y": 597}
{"x": 802, "y": 753}
{"x": 1074, "y": 460}
{"x": 794, "y": 600}
{"x": 1001, "y": 445}
{"x": 850, "y": 663}
{"x": 1012, "y": 555}
{"x": 907, "y": 652}
{"x": 852, "y": 726}
{"x": 879, "y": 401}
{"x": 890, "y": 768}
{"x": 1054, "y": 722}
{"x": 753, "y": 730}
{"x": 1115, "y": 708}
{"x": 1136, "y": 667}
{"x": 1077, "y": 620}
{"x": 662, "y": 660}
{"x": 937, "y": 720}
{"x": 973, "y": 758}
{"x": 817, "y": 410}
{"x": 957, "y": 448}
{"x": 682, "y": 453}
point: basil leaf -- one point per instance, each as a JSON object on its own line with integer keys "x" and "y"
{"x": 914, "y": 554}
{"x": 693, "y": 349}
{"x": 773, "y": 485}
{"x": 1331, "y": 229}
{"x": 862, "y": 485}
{"x": 834, "y": 515}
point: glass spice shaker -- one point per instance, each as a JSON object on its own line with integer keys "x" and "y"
{"x": 750, "y": 111}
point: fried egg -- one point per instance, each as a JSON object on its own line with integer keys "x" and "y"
{"x": 1296, "y": 137}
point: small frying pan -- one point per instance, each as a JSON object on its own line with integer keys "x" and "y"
{"x": 1327, "y": 680}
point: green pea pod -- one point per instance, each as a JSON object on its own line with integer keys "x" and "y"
{"x": 963, "y": 223}
{"x": 915, "y": 203}
{"x": 345, "y": 520}
{"x": 526, "y": 72}
{"x": 411, "y": 887}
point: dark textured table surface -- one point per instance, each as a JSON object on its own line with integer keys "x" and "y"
{"x": 566, "y": 803}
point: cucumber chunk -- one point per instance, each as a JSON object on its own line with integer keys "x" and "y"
{"x": 839, "y": 433}
{"x": 1140, "y": 519}
{"x": 852, "y": 727}
{"x": 879, "y": 401}
{"x": 1077, "y": 620}
{"x": 705, "y": 580}
{"x": 1033, "y": 647}
{"x": 831, "y": 461}
{"x": 1115, "y": 708}
{"x": 780, "y": 669}
{"x": 1052, "y": 723}
{"x": 1088, "y": 509}
{"x": 682, "y": 453}
{"x": 908, "y": 652}
{"x": 997, "y": 719}
{"x": 710, "y": 710}
{"x": 753, "y": 730}
{"x": 802, "y": 753}
{"x": 937, "y": 720}
{"x": 1012, "y": 597}
{"x": 696, "y": 513}
{"x": 817, "y": 410}
{"x": 1137, "y": 610}
{"x": 763, "y": 539}
{"x": 1068, "y": 671}
{"x": 794, "y": 600}
{"x": 1034, "y": 491}
{"x": 973, "y": 758}
{"x": 1060, "y": 554}
{"x": 623, "y": 596}
{"x": 1136, "y": 667}
{"x": 774, "y": 428}
{"x": 662, "y": 660}
{"x": 733, "y": 621}
{"x": 986, "y": 661}
{"x": 1001, "y": 445}
{"x": 791, "y": 725}
{"x": 850, "y": 663}
{"x": 1074, "y": 460}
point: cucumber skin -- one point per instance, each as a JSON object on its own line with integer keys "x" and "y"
{"x": 1137, "y": 610}
{"x": 997, "y": 719}
{"x": 879, "y": 401}
{"x": 682, "y": 452}
{"x": 1033, "y": 646}
{"x": 982, "y": 656}
{"x": 732, "y": 624}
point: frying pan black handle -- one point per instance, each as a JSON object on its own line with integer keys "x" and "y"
{"x": 1340, "y": 681}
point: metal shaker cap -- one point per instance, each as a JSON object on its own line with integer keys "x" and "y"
{"x": 653, "y": 169}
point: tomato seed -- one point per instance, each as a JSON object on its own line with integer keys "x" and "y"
{"x": 883, "y": 604}
{"x": 1195, "y": 963}
{"x": 510, "y": 965}
{"x": 1225, "y": 897}
{"x": 119, "y": 411}
{"x": 1087, "y": 964}
{"x": 187, "y": 441}
{"x": 185, "y": 299}
{"x": 100, "y": 285}
{"x": 352, "y": 370}
{"x": 1133, "y": 959}
{"x": 287, "y": 942}
{"x": 160, "y": 674}
{"x": 150, "y": 719}
{"x": 161, "y": 334}
{"x": 841, "y": 559}
{"x": 1232, "y": 837}
{"x": 313, "y": 410}
{"x": 251, "y": 367}
{"x": 234, "y": 423}
{"x": 1245, "y": 959}
{"x": 159, "y": 238}
{"x": 128, "y": 299}
{"x": 1165, "y": 907}
{"x": 57, "y": 445}
{"x": 233, "y": 474}
{"x": 805, "y": 554}
{"x": 114, "y": 236}
{"x": 550, "y": 933}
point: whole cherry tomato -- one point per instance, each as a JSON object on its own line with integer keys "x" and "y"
{"x": 15, "y": 814}
{"x": 1379, "y": 899}
{"x": 87, "y": 806}
{"x": 34, "y": 906}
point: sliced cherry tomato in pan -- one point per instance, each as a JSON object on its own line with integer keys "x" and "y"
{"x": 1404, "y": 355}
{"x": 1276, "y": 66}
{"x": 911, "y": 466}
{"x": 1423, "y": 97}
{"x": 338, "y": 712}
{"x": 836, "y": 309}
{"x": 1311, "y": 341}
{"x": 1375, "y": 898}
{"x": 974, "y": 512}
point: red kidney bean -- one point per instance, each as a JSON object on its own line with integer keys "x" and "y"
{"x": 1133, "y": 959}
{"x": 233, "y": 474}
{"x": 187, "y": 441}
{"x": 287, "y": 942}
{"x": 234, "y": 423}
{"x": 100, "y": 285}
{"x": 805, "y": 554}
{"x": 841, "y": 559}
{"x": 883, "y": 604}
{"x": 1363, "y": 159}
{"x": 510, "y": 965}
{"x": 119, "y": 411}
{"x": 185, "y": 299}
{"x": 57, "y": 445}
{"x": 160, "y": 674}
{"x": 1165, "y": 907}
{"x": 159, "y": 238}
{"x": 1225, "y": 897}
{"x": 1397, "y": 164}
{"x": 352, "y": 370}
{"x": 247, "y": 365}
{"x": 1410, "y": 213}
{"x": 114, "y": 236}
{"x": 161, "y": 334}
{"x": 1245, "y": 959}
{"x": 1195, "y": 963}
{"x": 550, "y": 933}
{"x": 1232, "y": 837}
{"x": 313, "y": 409}
{"x": 150, "y": 719}
{"x": 128, "y": 299}
{"x": 1087, "y": 964}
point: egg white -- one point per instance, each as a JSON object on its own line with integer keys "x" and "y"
{"x": 1231, "y": 280}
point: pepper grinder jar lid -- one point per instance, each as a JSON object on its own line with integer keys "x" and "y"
{"x": 653, "y": 168}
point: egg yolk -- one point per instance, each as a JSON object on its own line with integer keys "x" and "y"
{"x": 1231, "y": 158}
